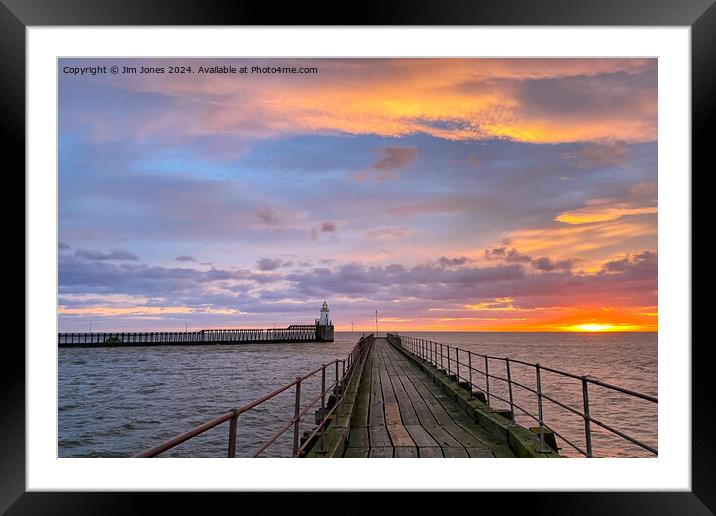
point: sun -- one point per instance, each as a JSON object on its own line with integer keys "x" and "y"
{"x": 593, "y": 327}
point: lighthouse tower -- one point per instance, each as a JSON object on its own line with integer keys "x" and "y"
{"x": 324, "y": 325}
{"x": 324, "y": 320}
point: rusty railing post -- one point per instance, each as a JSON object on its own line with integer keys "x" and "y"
{"x": 587, "y": 424}
{"x": 542, "y": 447}
{"x": 487, "y": 379}
{"x": 323, "y": 405}
{"x": 296, "y": 411}
{"x": 232, "y": 434}
{"x": 509, "y": 386}
{"x": 469, "y": 370}
{"x": 457, "y": 364}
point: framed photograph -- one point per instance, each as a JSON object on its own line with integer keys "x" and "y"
{"x": 263, "y": 251}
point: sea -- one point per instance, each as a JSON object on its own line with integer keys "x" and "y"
{"x": 117, "y": 402}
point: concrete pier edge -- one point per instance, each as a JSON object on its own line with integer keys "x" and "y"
{"x": 338, "y": 429}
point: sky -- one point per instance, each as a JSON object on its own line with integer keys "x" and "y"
{"x": 448, "y": 194}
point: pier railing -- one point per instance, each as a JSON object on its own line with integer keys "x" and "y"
{"x": 342, "y": 369}
{"x": 448, "y": 358}
{"x": 293, "y": 333}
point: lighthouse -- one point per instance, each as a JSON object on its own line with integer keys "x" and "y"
{"x": 324, "y": 320}
{"x": 324, "y": 325}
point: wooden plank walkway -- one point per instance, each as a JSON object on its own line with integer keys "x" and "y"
{"x": 400, "y": 412}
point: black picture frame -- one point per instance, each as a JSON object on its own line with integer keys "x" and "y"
{"x": 17, "y": 15}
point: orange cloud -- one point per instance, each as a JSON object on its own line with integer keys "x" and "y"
{"x": 598, "y": 213}
{"x": 499, "y": 304}
{"x": 456, "y": 99}
{"x": 592, "y": 240}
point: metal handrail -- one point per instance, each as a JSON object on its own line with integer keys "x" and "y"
{"x": 348, "y": 367}
{"x": 435, "y": 354}
{"x": 294, "y": 332}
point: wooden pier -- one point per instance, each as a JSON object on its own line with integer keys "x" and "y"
{"x": 400, "y": 412}
{"x": 401, "y": 409}
{"x": 407, "y": 397}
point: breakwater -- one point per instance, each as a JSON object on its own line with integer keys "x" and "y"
{"x": 294, "y": 333}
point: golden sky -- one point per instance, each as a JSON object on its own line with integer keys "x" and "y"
{"x": 449, "y": 194}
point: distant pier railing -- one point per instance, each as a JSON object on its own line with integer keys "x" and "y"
{"x": 448, "y": 358}
{"x": 294, "y": 333}
{"x": 328, "y": 400}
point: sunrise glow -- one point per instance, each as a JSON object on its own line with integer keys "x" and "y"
{"x": 448, "y": 194}
{"x": 593, "y": 327}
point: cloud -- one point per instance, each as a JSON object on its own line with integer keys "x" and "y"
{"x": 452, "y": 262}
{"x": 453, "y": 286}
{"x": 185, "y": 259}
{"x": 645, "y": 190}
{"x": 429, "y": 207}
{"x": 88, "y": 254}
{"x": 124, "y": 310}
{"x": 601, "y": 108}
{"x": 389, "y": 233}
{"x": 543, "y": 264}
{"x": 499, "y": 304}
{"x": 209, "y": 162}
{"x": 495, "y": 253}
{"x": 546, "y": 264}
{"x": 325, "y": 227}
{"x": 180, "y": 284}
{"x": 634, "y": 283}
{"x": 515, "y": 256}
{"x": 644, "y": 263}
{"x": 428, "y": 281}
{"x": 597, "y": 156}
{"x": 536, "y": 100}
{"x": 394, "y": 268}
{"x": 63, "y": 247}
{"x": 603, "y": 210}
{"x": 395, "y": 159}
{"x": 576, "y": 94}
{"x": 269, "y": 264}
{"x": 268, "y": 216}
{"x": 501, "y": 253}
{"x": 592, "y": 240}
